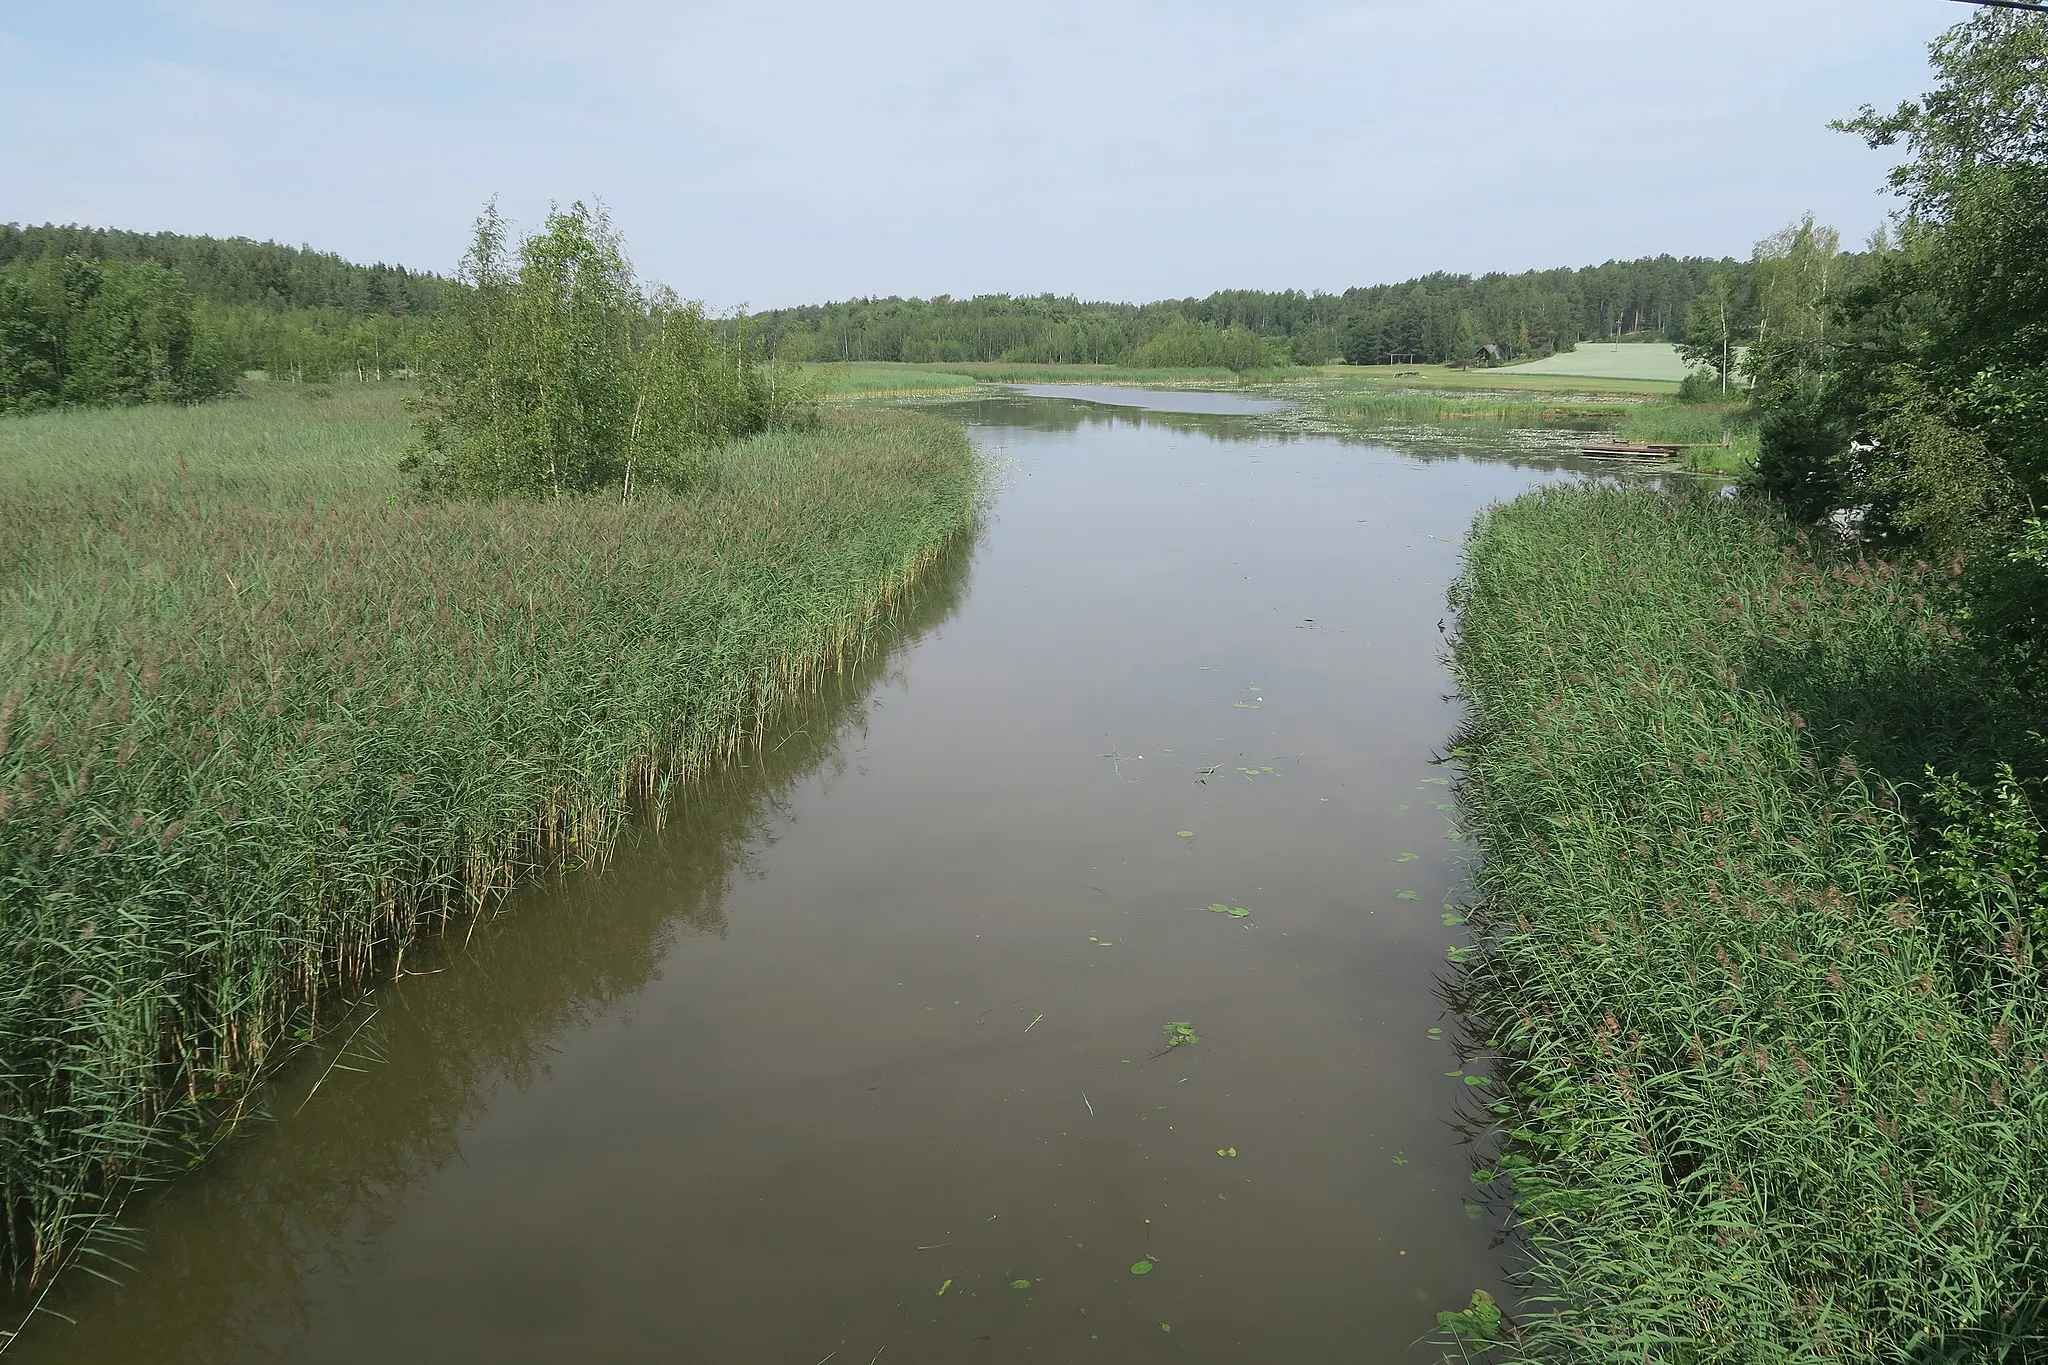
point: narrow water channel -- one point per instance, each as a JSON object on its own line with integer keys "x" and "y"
{"x": 873, "y": 1031}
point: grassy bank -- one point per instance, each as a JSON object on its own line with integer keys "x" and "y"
{"x": 1400, "y": 377}
{"x": 1768, "y": 1071}
{"x": 861, "y": 377}
{"x": 1719, "y": 436}
{"x": 264, "y": 720}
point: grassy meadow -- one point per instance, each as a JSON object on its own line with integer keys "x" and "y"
{"x": 863, "y": 378}
{"x": 1638, "y": 360}
{"x": 1765, "y": 1025}
{"x": 266, "y": 718}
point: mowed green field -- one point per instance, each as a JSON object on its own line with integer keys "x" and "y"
{"x": 266, "y": 717}
{"x": 1655, "y": 360}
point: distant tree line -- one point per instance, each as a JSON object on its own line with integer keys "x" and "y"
{"x": 296, "y": 313}
{"x": 289, "y": 311}
{"x": 75, "y": 330}
{"x": 1440, "y": 318}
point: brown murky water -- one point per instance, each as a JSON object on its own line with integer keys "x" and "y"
{"x": 870, "y": 1033}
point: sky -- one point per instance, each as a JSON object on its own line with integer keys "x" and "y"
{"x": 763, "y": 155}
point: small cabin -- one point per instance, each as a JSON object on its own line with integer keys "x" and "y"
{"x": 1490, "y": 354}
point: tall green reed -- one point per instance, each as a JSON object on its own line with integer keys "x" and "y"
{"x": 1766, "y": 1091}
{"x": 254, "y": 743}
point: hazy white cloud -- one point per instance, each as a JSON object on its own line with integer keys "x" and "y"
{"x": 776, "y": 154}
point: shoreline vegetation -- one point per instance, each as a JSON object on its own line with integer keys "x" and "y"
{"x": 1720, "y": 433}
{"x": 267, "y": 717}
{"x": 1759, "y": 931}
{"x": 1762, "y": 995}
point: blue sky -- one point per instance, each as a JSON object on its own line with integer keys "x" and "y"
{"x": 767, "y": 154}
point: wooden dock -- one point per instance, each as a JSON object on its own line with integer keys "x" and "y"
{"x": 1630, "y": 450}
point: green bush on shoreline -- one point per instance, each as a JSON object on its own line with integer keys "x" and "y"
{"x": 1769, "y": 1069}
{"x": 261, "y": 726}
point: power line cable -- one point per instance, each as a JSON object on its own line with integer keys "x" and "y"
{"x": 2006, "y": 4}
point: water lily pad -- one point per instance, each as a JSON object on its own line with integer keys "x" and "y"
{"x": 1477, "y": 1080}
{"x": 1020, "y": 1284}
{"x": 1407, "y": 895}
{"x": 1220, "y": 908}
{"x": 1141, "y": 1267}
{"x": 1238, "y": 912}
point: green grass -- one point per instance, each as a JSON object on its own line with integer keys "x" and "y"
{"x": 281, "y": 443}
{"x": 264, "y": 720}
{"x": 1116, "y": 374}
{"x": 1652, "y": 360}
{"x": 1409, "y": 377}
{"x": 863, "y": 377}
{"x": 1723, "y": 435}
{"x": 1768, "y": 1086}
{"x": 1502, "y": 408}
{"x": 1609, "y": 416}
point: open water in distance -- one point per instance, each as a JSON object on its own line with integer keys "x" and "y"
{"x": 862, "y": 1039}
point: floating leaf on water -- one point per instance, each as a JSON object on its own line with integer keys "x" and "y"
{"x": 1185, "y": 833}
{"x": 1166, "y": 1327}
{"x": 1451, "y": 919}
{"x": 1180, "y": 1033}
{"x": 1473, "y": 1212}
{"x": 1141, "y": 1267}
{"x": 943, "y": 1288}
{"x": 1407, "y": 895}
{"x": 1454, "y": 1074}
{"x": 1477, "y": 1080}
{"x": 1458, "y": 954}
{"x": 1238, "y": 912}
{"x": 1479, "y": 1324}
{"x": 1220, "y": 908}
{"x": 1226, "y": 1151}
{"x": 1020, "y": 1284}
{"x": 1407, "y": 857}
{"x": 1436, "y": 1033}
{"x": 1400, "y": 1160}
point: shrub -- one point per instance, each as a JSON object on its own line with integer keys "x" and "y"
{"x": 560, "y": 374}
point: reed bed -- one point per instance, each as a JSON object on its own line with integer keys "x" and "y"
{"x": 1768, "y": 1072}
{"x": 852, "y": 379}
{"x": 1503, "y": 408}
{"x": 260, "y": 731}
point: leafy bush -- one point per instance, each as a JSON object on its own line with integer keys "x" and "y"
{"x": 1187, "y": 345}
{"x": 559, "y": 374}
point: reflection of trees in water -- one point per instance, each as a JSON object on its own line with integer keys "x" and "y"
{"x": 234, "y": 1255}
{"x": 1494, "y": 442}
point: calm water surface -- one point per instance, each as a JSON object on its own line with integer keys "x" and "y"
{"x": 871, "y": 1029}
